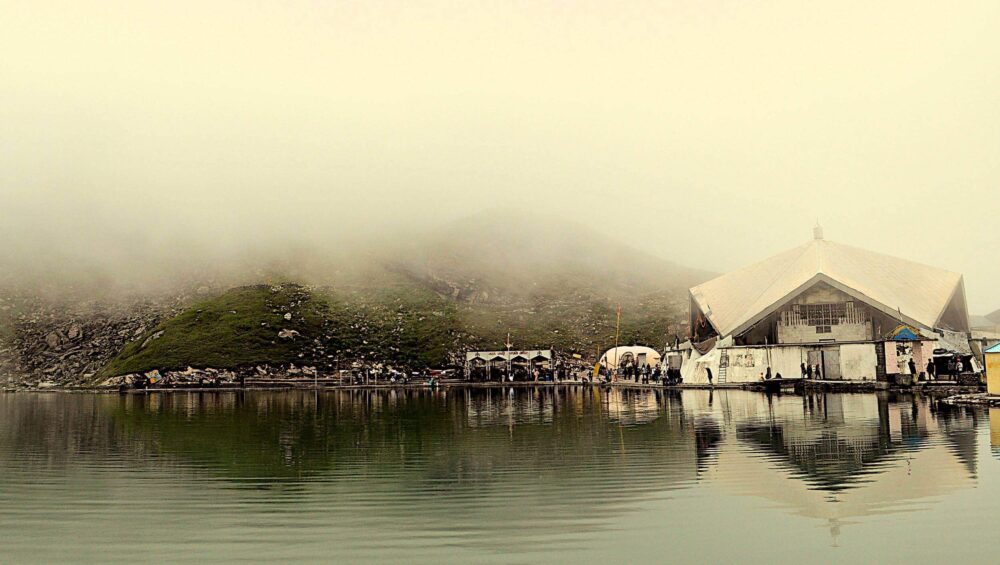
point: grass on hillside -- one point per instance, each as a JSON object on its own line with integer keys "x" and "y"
{"x": 394, "y": 320}
{"x": 397, "y": 324}
{"x": 238, "y": 328}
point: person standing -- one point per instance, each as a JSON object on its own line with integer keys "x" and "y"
{"x": 708, "y": 371}
{"x": 912, "y": 365}
{"x": 930, "y": 369}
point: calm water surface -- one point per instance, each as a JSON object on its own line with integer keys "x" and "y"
{"x": 515, "y": 476}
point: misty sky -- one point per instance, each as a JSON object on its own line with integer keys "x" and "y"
{"x": 710, "y": 133}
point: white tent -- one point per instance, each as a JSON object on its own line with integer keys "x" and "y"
{"x": 639, "y": 354}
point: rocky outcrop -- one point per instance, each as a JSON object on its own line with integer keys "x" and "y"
{"x": 52, "y": 343}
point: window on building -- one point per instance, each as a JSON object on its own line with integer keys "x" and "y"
{"x": 824, "y": 329}
{"x": 823, "y": 314}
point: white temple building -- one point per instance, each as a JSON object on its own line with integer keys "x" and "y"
{"x": 841, "y": 311}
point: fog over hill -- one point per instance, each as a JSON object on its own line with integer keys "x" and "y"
{"x": 518, "y": 252}
{"x": 417, "y": 299}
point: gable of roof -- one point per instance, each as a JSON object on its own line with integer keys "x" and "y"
{"x": 917, "y": 293}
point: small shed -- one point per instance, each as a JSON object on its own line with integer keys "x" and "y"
{"x": 993, "y": 370}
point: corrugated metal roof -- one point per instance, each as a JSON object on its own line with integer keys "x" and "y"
{"x": 918, "y": 291}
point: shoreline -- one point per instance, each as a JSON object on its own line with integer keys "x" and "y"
{"x": 795, "y": 386}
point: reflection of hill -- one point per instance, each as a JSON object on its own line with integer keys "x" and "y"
{"x": 458, "y": 437}
{"x": 554, "y": 449}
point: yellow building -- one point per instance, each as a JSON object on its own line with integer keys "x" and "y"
{"x": 993, "y": 370}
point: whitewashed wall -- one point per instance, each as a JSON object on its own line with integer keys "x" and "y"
{"x": 858, "y": 361}
{"x": 746, "y": 364}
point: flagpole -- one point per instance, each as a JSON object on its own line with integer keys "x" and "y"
{"x": 508, "y": 344}
{"x": 618, "y": 327}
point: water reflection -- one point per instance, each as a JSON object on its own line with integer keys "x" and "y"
{"x": 481, "y": 469}
{"x": 841, "y": 457}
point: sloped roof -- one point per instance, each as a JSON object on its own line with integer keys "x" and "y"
{"x": 736, "y": 299}
{"x": 994, "y": 349}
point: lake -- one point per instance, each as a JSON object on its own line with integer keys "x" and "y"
{"x": 568, "y": 475}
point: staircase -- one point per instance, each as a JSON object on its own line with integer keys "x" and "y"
{"x": 723, "y": 365}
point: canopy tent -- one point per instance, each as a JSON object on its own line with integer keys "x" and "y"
{"x": 638, "y": 354}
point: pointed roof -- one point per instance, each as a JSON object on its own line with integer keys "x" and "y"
{"x": 903, "y": 289}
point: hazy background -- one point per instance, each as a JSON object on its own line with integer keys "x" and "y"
{"x": 138, "y": 135}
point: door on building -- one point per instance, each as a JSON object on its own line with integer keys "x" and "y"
{"x": 815, "y": 358}
{"x": 831, "y": 364}
{"x": 675, "y": 361}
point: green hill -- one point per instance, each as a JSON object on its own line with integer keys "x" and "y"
{"x": 290, "y": 323}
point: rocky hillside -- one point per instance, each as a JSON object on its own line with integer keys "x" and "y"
{"x": 67, "y": 341}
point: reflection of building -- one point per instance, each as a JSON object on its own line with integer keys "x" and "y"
{"x": 995, "y": 431}
{"x": 840, "y": 457}
{"x": 844, "y": 312}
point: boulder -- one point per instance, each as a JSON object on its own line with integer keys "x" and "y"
{"x": 53, "y": 340}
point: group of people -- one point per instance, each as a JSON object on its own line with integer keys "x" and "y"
{"x": 811, "y": 371}
{"x": 645, "y": 374}
{"x": 519, "y": 373}
{"x": 954, "y": 365}
{"x": 638, "y": 373}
